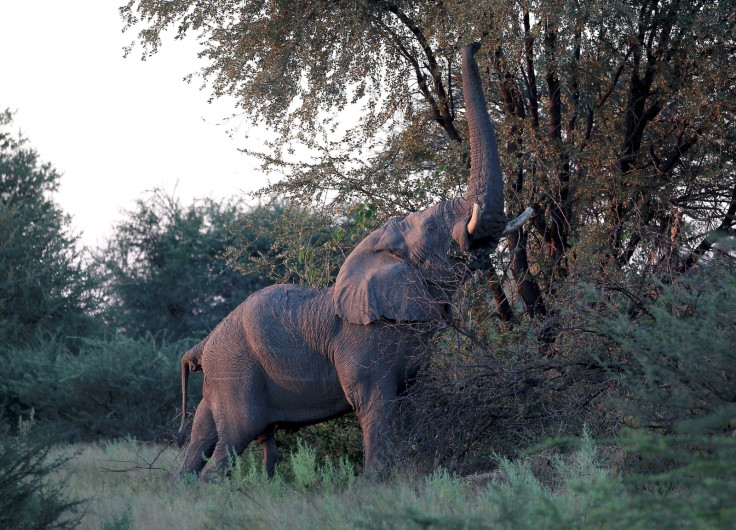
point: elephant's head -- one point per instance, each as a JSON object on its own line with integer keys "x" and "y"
{"x": 404, "y": 271}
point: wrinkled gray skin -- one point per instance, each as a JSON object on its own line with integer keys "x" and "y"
{"x": 293, "y": 355}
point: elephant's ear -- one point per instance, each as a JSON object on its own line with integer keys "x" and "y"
{"x": 376, "y": 281}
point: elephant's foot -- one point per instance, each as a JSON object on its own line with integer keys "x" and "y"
{"x": 212, "y": 474}
{"x": 182, "y": 474}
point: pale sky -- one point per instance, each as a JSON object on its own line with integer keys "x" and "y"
{"x": 114, "y": 127}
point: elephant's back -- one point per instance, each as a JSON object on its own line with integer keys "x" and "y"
{"x": 287, "y": 304}
{"x": 263, "y": 320}
{"x": 283, "y": 296}
{"x": 287, "y": 320}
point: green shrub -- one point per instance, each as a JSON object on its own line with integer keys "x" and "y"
{"x": 568, "y": 494}
{"x": 677, "y": 359}
{"x": 564, "y": 493}
{"x": 675, "y": 371}
{"x": 331, "y": 440}
{"x": 303, "y": 465}
{"x": 113, "y": 387}
{"x": 300, "y": 469}
{"x": 246, "y": 470}
{"x": 333, "y": 477}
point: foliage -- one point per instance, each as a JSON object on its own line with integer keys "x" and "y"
{"x": 164, "y": 270}
{"x": 331, "y": 440}
{"x": 558, "y": 490}
{"x": 44, "y": 288}
{"x": 111, "y": 387}
{"x": 675, "y": 359}
{"x": 489, "y": 389}
{"x": 289, "y": 244}
{"x": 29, "y": 496}
{"x": 675, "y": 375}
{"x": 301, "y": 469}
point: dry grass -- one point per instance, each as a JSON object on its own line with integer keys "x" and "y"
{"x": 143, "y": 498}
{"x": 301, "y": 498}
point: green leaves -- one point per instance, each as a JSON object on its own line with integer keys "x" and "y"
{"x": 287, "y": 243}
{"x": 134, "y": 381}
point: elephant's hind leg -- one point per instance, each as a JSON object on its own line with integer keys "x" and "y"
{"x": 231, "y": 442}
{"x": 202, "y": 443}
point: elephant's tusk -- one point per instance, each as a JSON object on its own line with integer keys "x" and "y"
{"x": 514, "y": 225}
{"x": 474, "y": 219}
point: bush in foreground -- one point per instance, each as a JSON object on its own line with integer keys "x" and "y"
{"x": 28, "y": 496}
{"x": 675, "y": 373}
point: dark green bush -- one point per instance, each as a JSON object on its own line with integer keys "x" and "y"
{"x": 334, "y": 439}
{"x": 676, "y": 362}
{"x": 112, "y": 387}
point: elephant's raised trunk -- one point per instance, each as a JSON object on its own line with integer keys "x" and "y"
{"x": 485, "y": 189}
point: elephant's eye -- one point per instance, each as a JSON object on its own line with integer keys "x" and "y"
{"x": 431, "y": 226}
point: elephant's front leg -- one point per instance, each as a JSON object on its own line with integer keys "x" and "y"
{"x": 373, "y": 409}
{"x": 202, "y": 443}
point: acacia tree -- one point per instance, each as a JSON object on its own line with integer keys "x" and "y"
{"x": 616, "y": 118}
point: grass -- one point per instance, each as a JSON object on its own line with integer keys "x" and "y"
{"x": 127, "y": 486}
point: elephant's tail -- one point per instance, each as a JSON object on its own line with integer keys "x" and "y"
{"x": 190, "y": 362}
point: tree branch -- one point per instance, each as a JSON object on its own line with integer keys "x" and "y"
{"x": 441, "y": 108}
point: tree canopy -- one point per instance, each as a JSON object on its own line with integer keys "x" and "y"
{"x": 615, "y": 119}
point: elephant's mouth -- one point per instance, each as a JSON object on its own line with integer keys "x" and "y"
{"x": 477, "y": 258}
{"x": 449, "y": 271}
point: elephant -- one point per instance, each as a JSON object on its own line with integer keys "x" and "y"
{"x": 292, "y": 355}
